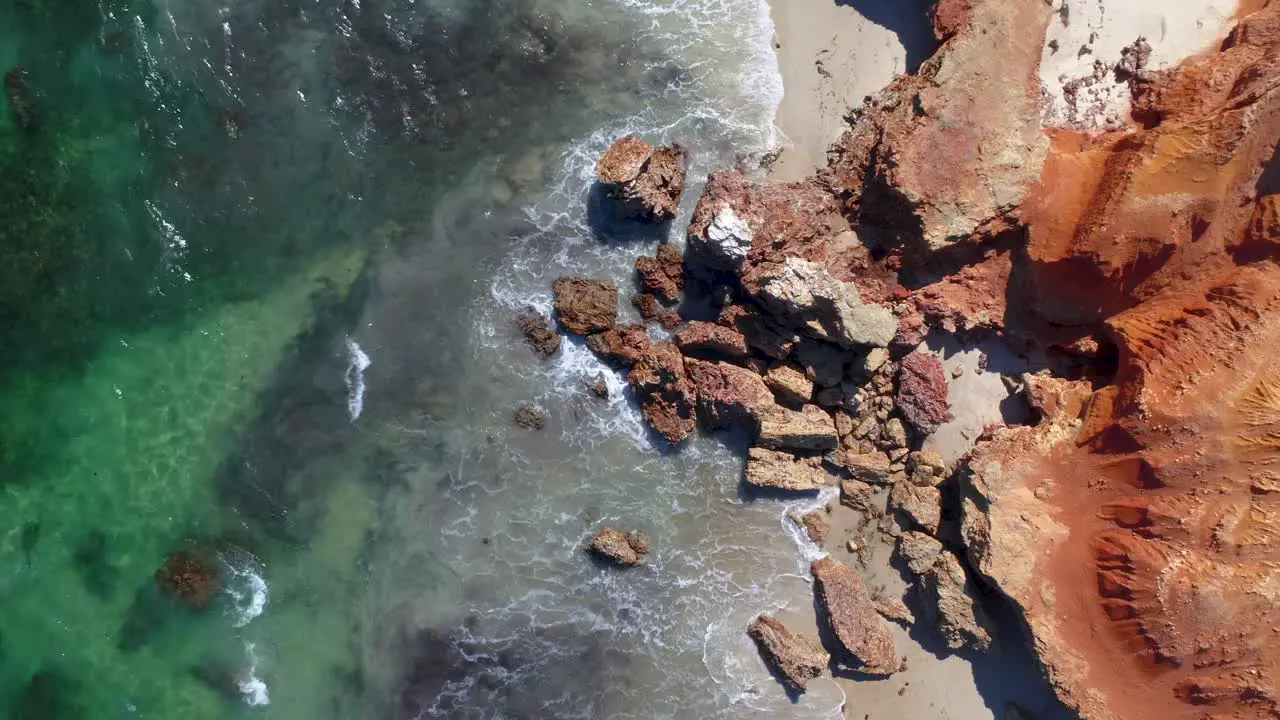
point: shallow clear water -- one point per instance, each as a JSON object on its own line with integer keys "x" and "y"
{"x": 231, "y": 227}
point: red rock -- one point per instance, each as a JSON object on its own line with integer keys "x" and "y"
{"x": 796, "y": 658}
{"x": 189, "y": 576}
{"x": 585, "y": 306}
{"x": 667, "y": 397}
{"x": 621, "y": 345}
{"x": 922, "y": 391}
{"x": 728, "y": 395}
{"x": 644, "y": 181}
{"x": 760, "y": 334}
{"x": 662, "y": 275}
{"x": 704, "y": 338}
{"x": 650, "y": 309}
{"x": 853, "y": 618}
{"x": 538, "y": 333}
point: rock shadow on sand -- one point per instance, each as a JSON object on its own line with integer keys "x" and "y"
{"x": 908, "y": 19}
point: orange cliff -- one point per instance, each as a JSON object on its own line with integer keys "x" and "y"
{"x": 1140, "y": 538}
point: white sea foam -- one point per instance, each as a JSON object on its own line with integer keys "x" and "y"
{"x": 252, "y": 688}
{"x": 247, "y": 588}
{"x": 357, "y": 362}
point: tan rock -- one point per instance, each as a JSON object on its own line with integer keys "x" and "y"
{"x": 959, "y": 617}
{"x": 917, "y": 551}
{"x": 704, "y": 338}
{"x": 810, "y": 429}
{"x": 796, "y": 658}
{"x": 871, "y": 467}
{"x": 626, "y": 549}
{"x": 789, "y": 385}
{"x": 851, "y": 614}
{"x": 917, "y": 506}
{"x": 858, "y": 495}
{"x": 784, "y": 471}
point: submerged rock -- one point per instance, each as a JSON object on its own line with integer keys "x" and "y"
{"x": 796, "y": 658}
{"x": 853, "y": 617}
{"x": 621, "y": 345}
{"x": 585, "y": 306}
{"x": 783, "y": 471}
{"x": 190, "y": 576}
{"x": 626, "y": 549}
{"x": 922, "y": 391}
{"x": 667, "y": 396}
{"x": 530, "y": 418}
{"x": 663, "y": 274}
{"x": 18, "y": 93}
{"x": 537, "y": 331}
{"x": 643, "y": 181}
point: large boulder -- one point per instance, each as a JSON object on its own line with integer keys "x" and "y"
{"x": 852, "y": 615}
{"x": 728, "y": 395}
{"x": 922, "y": 391}
{"x": 917, "y": 506}
{"x": 797, "y": 659}
{"x": 801, "y": 293}
{"x": 663, "y": 274}
{"x": 809, "y": 429}
{"x": 704, "y": 338}
{"x": 585, "y": 306}
{"x": 917, "y": 551}
{"x": 953, "y": 600}
{"x": 783, "y": 471}
{"x": 667, "y": 396}
{"x": 624, "y": 548}
{"x": 643, "y": 181}
{"x": 621, "y": 345}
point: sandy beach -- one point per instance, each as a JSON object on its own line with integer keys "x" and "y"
{"x": 832, "y": 55}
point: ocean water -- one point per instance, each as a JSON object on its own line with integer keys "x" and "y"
{"x": 259, "y": 263}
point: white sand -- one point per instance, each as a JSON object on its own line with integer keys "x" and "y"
{"x": 1175, "y": 30}
{"x": 831, "y": 58}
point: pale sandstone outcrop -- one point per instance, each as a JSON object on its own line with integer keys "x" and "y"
{"x": 783, "y": 471}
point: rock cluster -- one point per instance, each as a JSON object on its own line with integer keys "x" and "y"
{"x": 623, "y": 548}
{"x": 643, "y": 181}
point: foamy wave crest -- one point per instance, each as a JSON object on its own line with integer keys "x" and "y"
{"x": 247, "y": 588}
{"x": 809, "y": 550}
{"x": 357, "y": 362}
{"x": 252, "y": 689}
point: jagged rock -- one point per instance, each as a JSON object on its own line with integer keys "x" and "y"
{"x": 784, "y": 471}
{"x": 585, "y": 306}
{"x": 650, "y": 309}
{"x": 871, "y": 467}
{"x": 709, "y": 338}
{"x": 760, "y": 334}
{"x": 895, "y": 610}
{"x": 857, "y": 495}
{"x": 853, "y": 618}
{"x": 796, "y": 658}
{"x": 530, "y": 418}
{"x": 667, "y": 397}
{"x": 874, "y": 360}
{"x": 1133, "y": 59}
{"x": 643, "y": 181}
{"x": 926, "y": 468}
{"x": 922, "y": 391}
{"x": 1053, "y": 397}
{"x": 663, "y": 274}
{"x": 621, "y": 345}
{"x": 600, "y": 388}
{"x": 810, "y": 429}
{"x": 895, "y": 434}
{"x": 18, "y": 92}
{"x": 728, "y": 395}
{"x": 626, "y": 549}
{"x": 803, "y": 294}
{"x": 537, "y": 331}
{"x": 918, "y": 551}
{"x": 917, "y": 506}
{"x": 959, "y": 618}
{"x": 189, "y": 576}
{"x": 816, "y": 527}
{"x": 789, "y": 385}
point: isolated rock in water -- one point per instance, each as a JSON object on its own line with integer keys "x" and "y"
{"x": 784, "y": 471}
{"x": 663, "y": 274}
{"x": 650, "y": 309}
{"x": 585, "y": 306}
{"x": 644, "y": 181}
{"x": 600, "y": 388}
{"x": 816, "y": 527}
{"x": 917, "y": 506}
{"x": 189, "y": 576}
{"x": 922, "y": 391}
{"x": 667, "y": 397}
{"x": 18, "y": 92}
{"x": 621, "y": 345}
{"x": 797, "y": 659}
{"x": 728, "y": 395}
{"x": 803, "y": 294}
{"x": 789, "y": 385}
{"x": 918, "y": 551}
{"x": 627, "y": 549}
{"x": 853, "y": 617}
{"x": 810, "y": 429}
{"x": 959, "y": 618}
{"x": 704, "y": 338}
{"x": 537, "y": 331}
{"x": 529, "y": 417}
